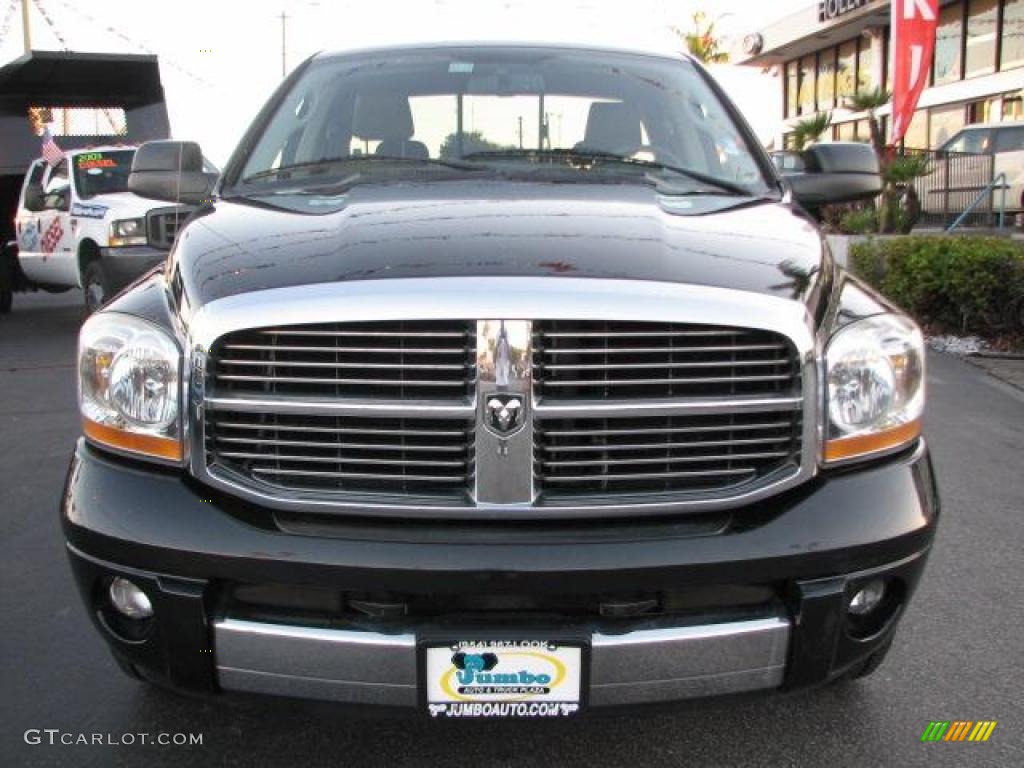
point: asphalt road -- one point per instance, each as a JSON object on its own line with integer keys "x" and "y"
{"x": 959, "y": 653}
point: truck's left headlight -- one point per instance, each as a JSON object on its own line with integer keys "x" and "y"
{"x": 129, "y": 386}
{"x": 127, "y": 232}
{"x": 875, "y": 383}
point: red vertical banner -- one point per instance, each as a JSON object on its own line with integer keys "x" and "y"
{"x": 913, "y": 44}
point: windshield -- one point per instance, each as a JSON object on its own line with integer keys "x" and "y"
{"x": 575, "y": 115}
{"x": 100, "y": 173}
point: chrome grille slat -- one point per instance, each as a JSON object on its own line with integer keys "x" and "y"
{"x": 338, "y": 446}
{"x": 355, "y": 430}
{"x": 283, "y": 457}
{"x": 659, "y": 475}
{"x": 372, "y": 366}
{"x": 664, "y": 430}
{"x": 667, "y": 446}
{"x": 664, "y": 460}
{"x": 339, "y": 350}
{"x": 659, "y": 350}
{"x": 430, "y": 360}
{"x": 360, "y": 475}
{"x": 339, "y": 381}
{"x": 645, "y": 366}
{"x": 666, "y": 380}
{"x": 402, "y": 335}
{"x": 641, "y": 334}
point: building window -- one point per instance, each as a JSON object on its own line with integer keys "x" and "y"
{"x": 846, "y": 131}
{"x": 805, "y": 97}
{"x": 982, "y": 19}
{"x": 846, "y": 70}
{"x": 943, "y": 123}
{"x": 792, "y": 89}
{"x": 1013, "y": 108}
{"x": 1012, "y": 52}
{"x": 917, "y": 132}
{"x": 947, "y": 44}
{"x": 827, "y": 79}
{"x": 983, "y": 111}
{"x": 865, "y": 65}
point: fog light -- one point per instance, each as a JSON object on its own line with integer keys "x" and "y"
{"x": 129, "y": 600}
{"x": 867, "y": 598}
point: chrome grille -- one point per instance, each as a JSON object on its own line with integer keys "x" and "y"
{"x": 162, "y": 225}
{"x": 692, "y": 454}
{"x": 594, "y": 360}
{"x": 404, "y": 360}
{"x": 391, "y": 417}
{"x": 429, "y": 457}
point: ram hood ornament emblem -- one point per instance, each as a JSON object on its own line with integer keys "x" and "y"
{"x": 504, "y": 413}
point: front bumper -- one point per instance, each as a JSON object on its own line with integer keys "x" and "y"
{"x": 124, "y": 265}
{"x": 806, "y": 550}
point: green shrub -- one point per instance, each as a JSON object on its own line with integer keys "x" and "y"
{"x": 862, "y": 222}
{"x": 961, "y": 284}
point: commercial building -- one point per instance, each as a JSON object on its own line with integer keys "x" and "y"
{"x": 834, "y": 48}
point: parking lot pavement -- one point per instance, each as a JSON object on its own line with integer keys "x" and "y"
{"x": 958, "y": 654}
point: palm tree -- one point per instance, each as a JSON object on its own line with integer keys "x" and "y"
{"x": 810, "y": 129}
{"x": 701, "y": 41}
{"x": 870, "y": 102}
{"x": 898, "y": 173}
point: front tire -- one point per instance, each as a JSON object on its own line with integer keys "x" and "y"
{"x": 95, "y": 286}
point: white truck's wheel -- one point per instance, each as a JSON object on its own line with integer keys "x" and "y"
{"x": 95, "y": 285}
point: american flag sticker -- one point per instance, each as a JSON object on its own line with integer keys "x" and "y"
{"x": 53, "y": 234}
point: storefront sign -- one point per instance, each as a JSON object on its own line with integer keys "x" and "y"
{"x": 833, "y": 9}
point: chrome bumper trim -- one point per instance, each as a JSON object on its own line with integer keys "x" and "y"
{"x": 645, "y": 665}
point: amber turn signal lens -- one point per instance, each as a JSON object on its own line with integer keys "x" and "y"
{"x": 144, "y": 445}
{"x": 861, "y": 445}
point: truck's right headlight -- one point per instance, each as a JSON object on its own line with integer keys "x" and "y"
{"x": 127, "y": 232}
{"x": 875, "y": 387}
{"x": 128, "y": 386}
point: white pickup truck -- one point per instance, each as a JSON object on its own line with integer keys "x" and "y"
{"x": 77, "y": 226}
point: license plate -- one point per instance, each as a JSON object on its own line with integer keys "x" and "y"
{"x": 503, "y": 678}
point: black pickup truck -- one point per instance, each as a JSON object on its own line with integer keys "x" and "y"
{"x": 500, "y": 381}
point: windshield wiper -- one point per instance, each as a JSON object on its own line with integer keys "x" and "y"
{"x": 356, "y": 160}
{"x": 599, "y": 156}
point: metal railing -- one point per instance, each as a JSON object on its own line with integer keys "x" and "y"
{"x": 1001, "y": 183}
{"x": 958, "y": 189}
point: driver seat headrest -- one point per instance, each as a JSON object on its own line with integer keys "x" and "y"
{"x": 382, "y": 117}
{"x": 612, "y": 127}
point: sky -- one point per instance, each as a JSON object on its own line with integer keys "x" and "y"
{"x": 221, "y": 59}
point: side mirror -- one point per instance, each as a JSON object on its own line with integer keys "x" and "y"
{"x": 34, "y": 199}
{"x": 171, "y": 171}
{"x": 843, "y": 172}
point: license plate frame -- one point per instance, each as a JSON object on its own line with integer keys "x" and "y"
{"x": 507, "y": 646}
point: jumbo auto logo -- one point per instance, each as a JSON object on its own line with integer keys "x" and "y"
{"x": 520, "y": 673}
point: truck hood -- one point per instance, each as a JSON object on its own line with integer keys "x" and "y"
{"x": 121, "y": 205}
{"x": 500, "y": 228}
